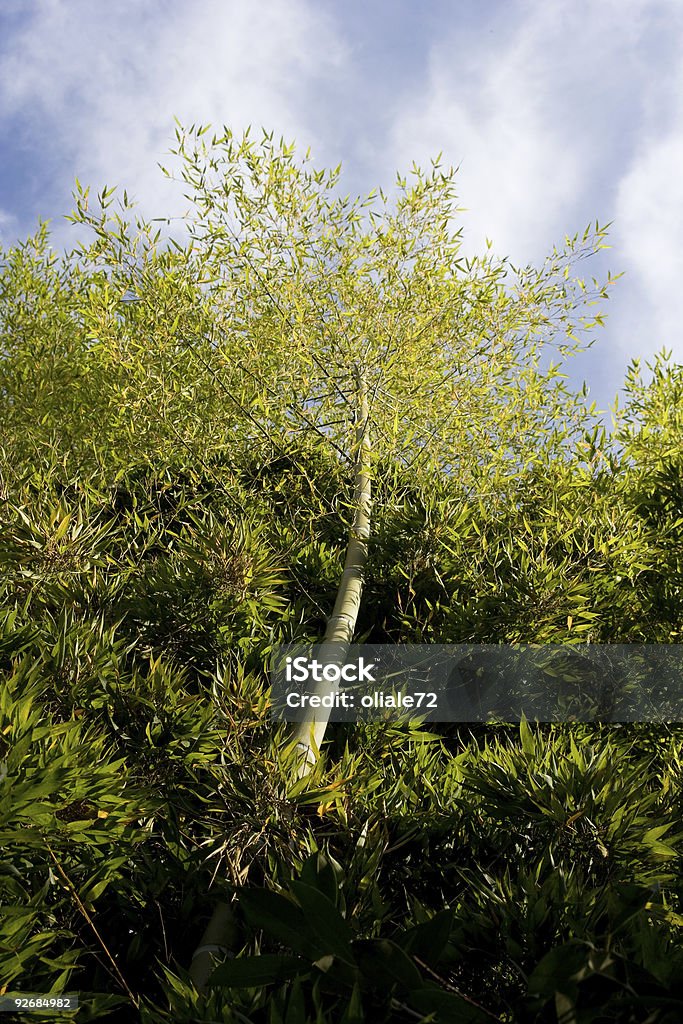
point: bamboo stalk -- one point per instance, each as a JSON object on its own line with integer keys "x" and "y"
{"x": 341, "y": 625}
{"x": 217, "y": 940}
{"x": 220, "y": 932}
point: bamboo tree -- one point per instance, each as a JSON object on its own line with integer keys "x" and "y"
{"x": 374, "y": 326}
{"x": 360, "y": 324}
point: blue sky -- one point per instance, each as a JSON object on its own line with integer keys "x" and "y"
{"x": 557, "y": 112}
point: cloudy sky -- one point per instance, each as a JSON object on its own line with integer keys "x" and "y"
{"x": 557, "y": 113}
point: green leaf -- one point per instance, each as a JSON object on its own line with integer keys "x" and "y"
{"x": 317, "y": 871}
{"x": 527, "y": 738}
{"x": 428, "y": 941}
{"x": 254, "y": 971}
{"x": 279, "y": 917}
{"x": 555, "y": 971}
{"x": 328, "y": 929}
{"x": 296, "y": 1004}
{"x": 354, "y": 1011}
{"x": 448, "y": 1006}
{"x": 383, "y": 962}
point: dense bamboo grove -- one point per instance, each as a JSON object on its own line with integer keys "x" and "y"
{"x": 178, "y": 455}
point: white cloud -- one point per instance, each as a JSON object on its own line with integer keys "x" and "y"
{"x": 503, "y": 105}
{"x": 649, "y": 216}
{"x": 108, "y": 79}
{"x": 559, "y": 114}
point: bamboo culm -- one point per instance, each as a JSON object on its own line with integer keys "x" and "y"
{"x": 220, "y": 932}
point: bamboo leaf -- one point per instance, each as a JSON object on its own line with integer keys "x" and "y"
{"x": 255, "y": 971}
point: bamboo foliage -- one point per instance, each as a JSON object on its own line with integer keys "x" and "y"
{"x": 406, "y": 387}
{"x": 288, "y": 311}
{"x": 306, "y": 286}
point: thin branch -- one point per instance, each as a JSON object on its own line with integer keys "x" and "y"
{"x": 456, "y": 991}
{"x": 262, "y": 384}
{"x": 90, "y": 921}
{"x": 163, "y": 930}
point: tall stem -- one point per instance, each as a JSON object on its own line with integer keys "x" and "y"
{"x": 342, "y": 623}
